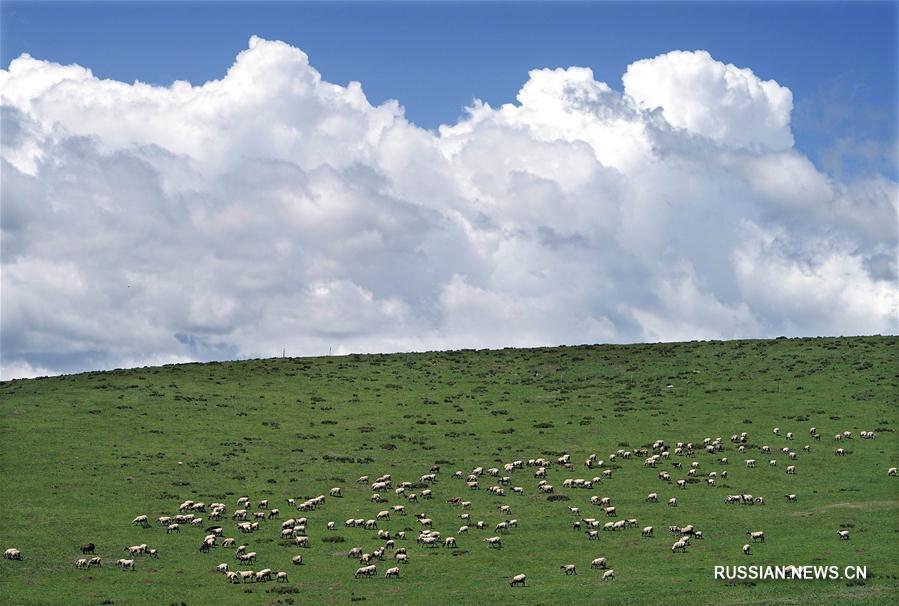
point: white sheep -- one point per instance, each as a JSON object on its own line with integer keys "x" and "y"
{"x": 747, "y": 549}
{"x": 756, "y": 536}
{"x": 365, "y": 571}
{"x": 647, "y": 532}
{"x": 608, "y": 575}
{"x": 672, "y": 502}
{"x": 518, "y": 579}
{"x": 568, "y": 568}
{"x": 843, "y": 534}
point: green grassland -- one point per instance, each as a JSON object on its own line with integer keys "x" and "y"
{"x": 82, "y": 455}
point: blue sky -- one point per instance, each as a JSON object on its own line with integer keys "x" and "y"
{"x": 838, "y": 58}
{"x": 644, "y": 172}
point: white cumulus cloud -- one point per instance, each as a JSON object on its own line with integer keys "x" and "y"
{"x": 271, "y": 209}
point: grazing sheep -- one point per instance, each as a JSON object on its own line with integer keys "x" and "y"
{"x": 791, "y": 470}
{"x": 892, "y": 472}
{"x": 608, "y": 575}
{"x": 281, "y": 577}
{"x": 598, "y": 563}
{"x": 843, "y": 534}
{"x": 141, "y": 521}
{"x": 672, "y": 502}
{"x": 81, "y": 563}
{"x": 125, "y": 564}
{"x": 840, "y": 452}
{"x": 302, "y": 542}
{"x": 750, "y": 462}
{"x": 681, "y": 545}
{"x": 335, "y": 492}
{"x": 652, "y": 497}
{"x": 494, "y": 542}
{"x": 791, "y": 498}
{"x": 593, "y": 535}
{"x": 365, "y": 571}
{"x": 246, "y": 575}
{"x": 747, "y": 549}
{"x": 756, "y": 536}
{"x": 568, "y": 568}
{"x": 95, "y": 561}
{"x": 221, "y": 568}
{"x": 264, "y": 575}
{"x": 647, "y": 532}
{"x": 518, "y": 579}
{"x": 232, "y": 577}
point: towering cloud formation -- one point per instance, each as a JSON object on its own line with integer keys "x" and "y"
{"x": 271, "y": 209}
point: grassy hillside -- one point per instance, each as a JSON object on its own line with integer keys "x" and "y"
{"x": 82, "y": 455}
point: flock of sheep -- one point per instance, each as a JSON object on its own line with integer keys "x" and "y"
{"x": 247, "y": 520}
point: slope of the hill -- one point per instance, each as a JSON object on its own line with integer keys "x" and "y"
{"x": 83, "y": 455}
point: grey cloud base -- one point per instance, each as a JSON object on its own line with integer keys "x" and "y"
{"x": 270, "y": 209}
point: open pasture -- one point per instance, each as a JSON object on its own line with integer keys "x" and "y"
{"x": 83, "y": 455}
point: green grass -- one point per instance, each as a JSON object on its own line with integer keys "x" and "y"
{"x": 82, "y": 455}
